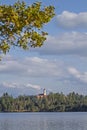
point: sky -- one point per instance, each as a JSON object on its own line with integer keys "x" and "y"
{"x": 60, "y": 65}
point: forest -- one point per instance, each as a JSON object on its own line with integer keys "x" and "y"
{"x": 53, "y": 102}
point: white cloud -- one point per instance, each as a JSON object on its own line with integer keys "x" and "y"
{"x": 42, "y": 68}
{"x": 16, "y": 89}
{"x": 70, "y": 20}
{"x": 81, "y": 76}
{"x": 14, "y": 85}
{"x": 33, "y": 86}
{"x": 73, "y": 71}
{"x": 72, "y": 43}
{"x": 32, "y": 67}
{"x": 10, "y": 85}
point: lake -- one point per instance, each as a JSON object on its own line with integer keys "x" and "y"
{"x": 43, "y": 121}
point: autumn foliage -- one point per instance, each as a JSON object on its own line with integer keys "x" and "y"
{"x": 22, "y": 25}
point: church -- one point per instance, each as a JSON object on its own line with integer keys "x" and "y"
{"x": 42, "y": 95}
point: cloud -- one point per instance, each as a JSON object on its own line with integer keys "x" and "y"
{"x": 69, "y": 43}
{"x": 10, "y": 85}
{"x": 80, "y": 76}
{"x": 33, "y": 86}
{"x": 70, "y": 20}
{"x": 31, "y": 67}
{"x": 52, "y": 73}
{"x": 18, "y": 85}
{"x": 9, "y": 65}
{"x": 16, "y": 89}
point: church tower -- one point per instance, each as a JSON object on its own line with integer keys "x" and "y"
{"x": 44, "y": 92}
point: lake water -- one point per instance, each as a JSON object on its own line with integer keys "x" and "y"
{"x": 43, "y": 121}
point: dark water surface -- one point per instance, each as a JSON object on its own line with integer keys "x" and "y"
{"x": 43, "y": 121}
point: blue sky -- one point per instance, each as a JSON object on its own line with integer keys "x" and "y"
{"x": 60, "y": 65}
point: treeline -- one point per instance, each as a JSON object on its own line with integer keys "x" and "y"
{"x": 54, "y": 102}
